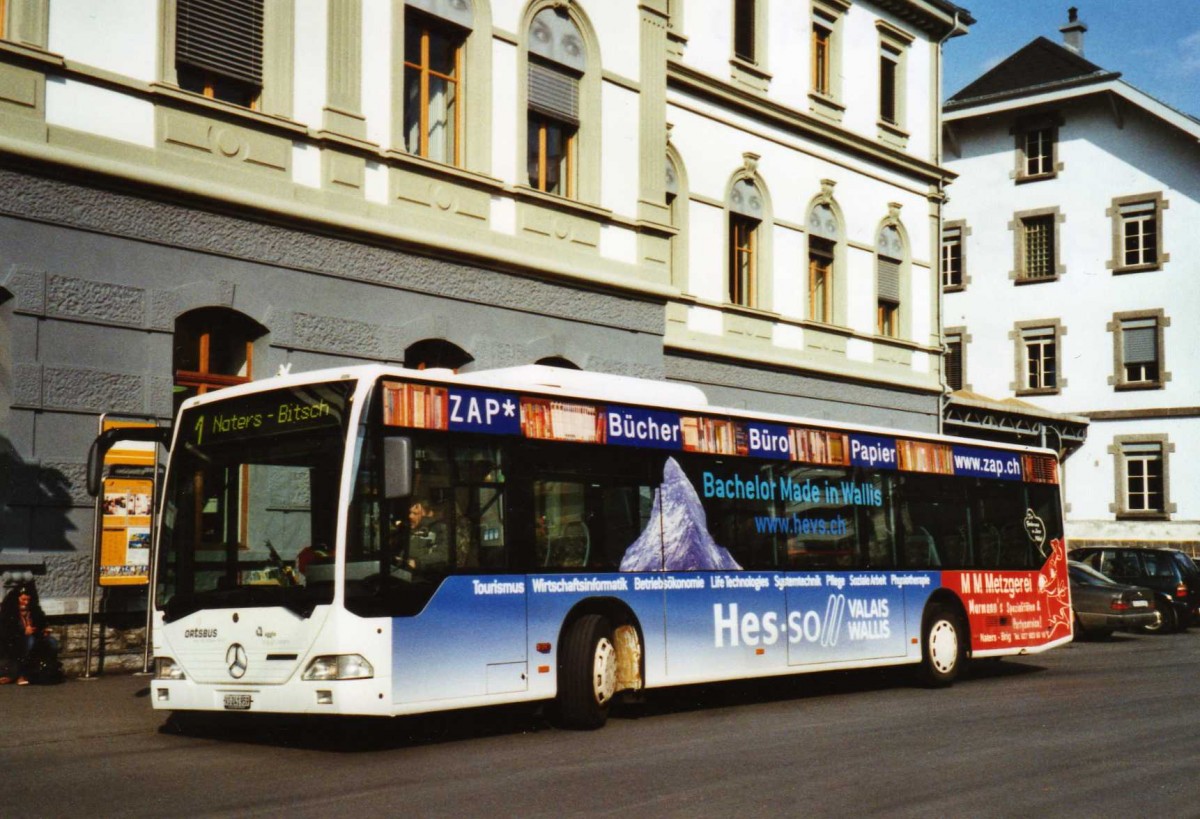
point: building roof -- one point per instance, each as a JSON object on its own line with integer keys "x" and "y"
{"x": 1048, "y": 73}
{"x": 1040, "y": 66}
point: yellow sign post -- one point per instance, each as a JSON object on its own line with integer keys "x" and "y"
{"x": 126, "y": 506}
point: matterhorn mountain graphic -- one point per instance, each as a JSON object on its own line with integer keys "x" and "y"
{"x": 681, "y": 542}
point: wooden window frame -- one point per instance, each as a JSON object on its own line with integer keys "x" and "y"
{"x": 538, "y": 146}
{"x": 822, "y": 58}
{"x": 743, "y": 260}
{"x": 821, "y": 258}
{"x": 425, "y": 73}
{"x": 887, "y": 318}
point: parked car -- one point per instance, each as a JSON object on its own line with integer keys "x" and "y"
{"x": 1102, "y": 606}
{"x": 1169, "y": 572}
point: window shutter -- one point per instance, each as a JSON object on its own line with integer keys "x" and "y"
{"x": 1141, "y": 343}
{"x": 954, "y": 372}
{"x": 888, "y": 280}
{"x": 553, "y": 93}
{"x": 222, "y": 36}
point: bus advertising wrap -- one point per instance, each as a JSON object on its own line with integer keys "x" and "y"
{"x": 456, "y": 409}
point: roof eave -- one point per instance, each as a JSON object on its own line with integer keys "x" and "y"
{"x": 1020, "y": 95}
{"x": 1061, "y": 92}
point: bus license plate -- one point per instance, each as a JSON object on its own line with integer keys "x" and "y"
{"x": 238, "y": 702}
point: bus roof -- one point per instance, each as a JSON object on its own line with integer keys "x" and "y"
{"x": 582, "y": 384}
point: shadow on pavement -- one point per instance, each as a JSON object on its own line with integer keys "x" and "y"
{"x": 368, "y": 734}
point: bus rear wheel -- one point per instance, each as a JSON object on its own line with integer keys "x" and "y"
{"x": 944, "y": 648}
{"x": 587, "y": 673}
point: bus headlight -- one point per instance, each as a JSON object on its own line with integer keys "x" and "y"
{"x": 339, "y": 667}
{"x": 167, "y": 669}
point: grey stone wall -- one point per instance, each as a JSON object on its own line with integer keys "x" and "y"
{"x": 770, "y": 390}
{"x": 93, "y": 280}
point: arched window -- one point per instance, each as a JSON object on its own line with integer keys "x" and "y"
{"x": 429, "y": 353}
{"x": 889, "y": 261}
{"x": 822, "y": 256}
{"x": 435, "y": 35}
{"x": 557, "y": 64}
{"x": 745, "y": 217}
{"x": 214, "y": 348}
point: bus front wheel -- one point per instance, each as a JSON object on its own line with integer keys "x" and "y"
{"x": 944, "y": 648}
{"x": 587, "y": 673}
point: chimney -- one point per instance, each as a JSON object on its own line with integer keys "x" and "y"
{"x": 1073, "y": 31}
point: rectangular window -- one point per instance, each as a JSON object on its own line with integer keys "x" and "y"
{"x": 1038, "y": 246}
{"x": 218, "y": 49}
{"x": 743, "y": 30}
{"x": 1139, "y": 353}
{"x": 1139, "y": 233}
{"x": 551, "y": 156}
{"x": 887, "y": 287}
{"x": 432, "y": 107}
{"x": 1143, "y": 477}
{"x": 553, "y": 97}
{"x": 889, "y": 69}
{"x": 1040, "y": 345}
{"x": 821, "y": 53}
{"x": 952, "y": 258}
{"x": 954, "y": 362}
{"x": 743, "y": 234}
{"x": 820, "y": 280}
{"x": 1039, "y": 152}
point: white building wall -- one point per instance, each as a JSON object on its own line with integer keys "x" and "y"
{"x": 377, "y": 72}
{"x": 310, "y": 70}
{"x": 1101, "y": 159}
{"x": 120, "y": 36}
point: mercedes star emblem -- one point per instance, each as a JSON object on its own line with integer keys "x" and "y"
{"x": 237, "y": 661}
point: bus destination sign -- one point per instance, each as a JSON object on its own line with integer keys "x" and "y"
{"x": 277, "y": 412}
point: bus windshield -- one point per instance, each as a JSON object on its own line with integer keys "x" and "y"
{"x": 251, "y": 501}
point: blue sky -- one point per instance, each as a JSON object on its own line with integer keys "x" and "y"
{"x": 1155, "y": 44}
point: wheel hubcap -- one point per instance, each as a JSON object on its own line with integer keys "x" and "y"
{"x": 943, "y": 646}
{"x": 604, "y": 671}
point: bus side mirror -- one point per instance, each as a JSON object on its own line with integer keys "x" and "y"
{"x": 397, "y": 467}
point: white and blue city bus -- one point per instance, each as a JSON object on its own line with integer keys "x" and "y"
{"x": 383, "y": 541}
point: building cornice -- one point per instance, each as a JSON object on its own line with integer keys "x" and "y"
{"x": 800, "y": 124}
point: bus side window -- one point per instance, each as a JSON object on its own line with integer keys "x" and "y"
{"x": 563, "y": 539}
{"x": 877, "y": 521}
{"x": 818, "y": 524}
{"x": 999, "y": 521}
{"x": 935, "y": 521}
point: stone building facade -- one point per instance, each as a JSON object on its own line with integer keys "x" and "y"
{"x": 744, "y": 196}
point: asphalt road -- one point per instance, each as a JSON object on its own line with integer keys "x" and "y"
{"x": 1092, "y": 729}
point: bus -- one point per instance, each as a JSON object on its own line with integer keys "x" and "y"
{"x": 376, "y": 540}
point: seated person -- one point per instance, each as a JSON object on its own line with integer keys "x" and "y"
{"x": 429, "y": 542}
{"x": 25, "y": 638}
